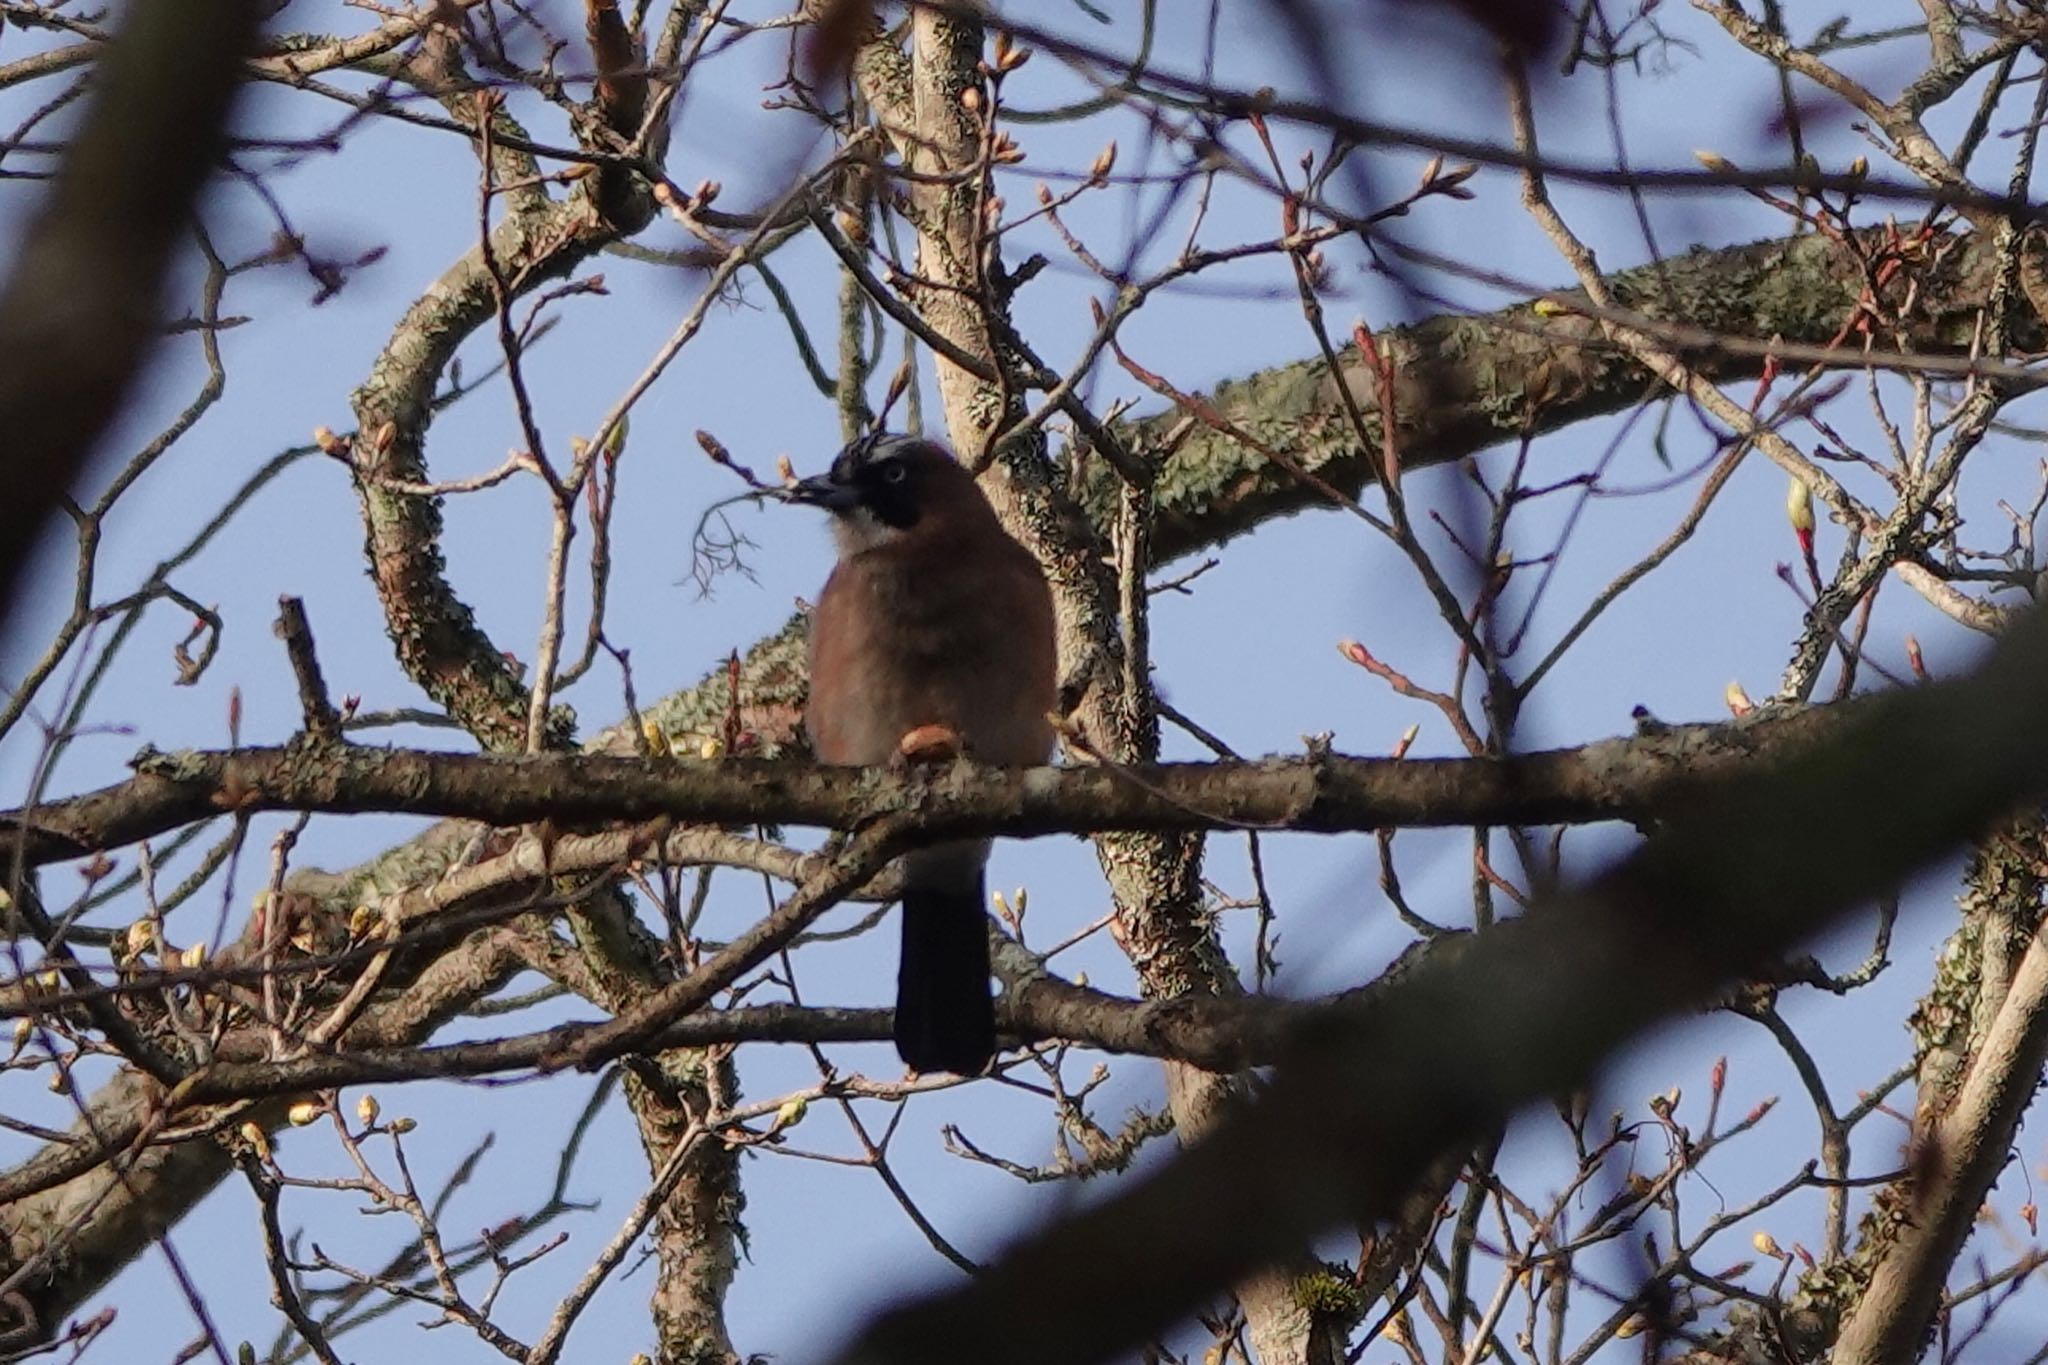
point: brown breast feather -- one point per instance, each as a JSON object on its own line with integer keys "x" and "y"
{"x": 954, "y": 632}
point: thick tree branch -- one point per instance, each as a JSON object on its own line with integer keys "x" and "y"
{"x": 1637, "y": 779}
{"x": 437, "y": 639}
{"x": 1958, "y": 1153}
{"x": 1465, "y": 383}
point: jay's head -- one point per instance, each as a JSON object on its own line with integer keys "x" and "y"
{"x": 887, "y": 488}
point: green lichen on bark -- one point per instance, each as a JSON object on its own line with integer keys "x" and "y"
{"x": 764, "y": 702}
{"x": 1464, "y": 383}
{"x": 1330, "y": 1291}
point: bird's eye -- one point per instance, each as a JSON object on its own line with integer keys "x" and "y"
{"x": 895, "y": 472}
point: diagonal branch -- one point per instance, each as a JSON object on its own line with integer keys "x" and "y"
{"x": 1466, "y": 383}
{"x": 80, "y": 310}
{"x": 1530, "y": 1009}
{"x": 1955, "y": 1161}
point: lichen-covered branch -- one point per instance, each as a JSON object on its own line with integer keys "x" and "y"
{"x": 1465, "y": 383}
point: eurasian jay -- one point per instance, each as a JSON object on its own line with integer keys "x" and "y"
{"x": 933, "y": 634}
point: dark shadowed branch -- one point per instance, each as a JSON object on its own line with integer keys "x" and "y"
{"x": 1616, "y": 779}
{"x": 79, "y": 312}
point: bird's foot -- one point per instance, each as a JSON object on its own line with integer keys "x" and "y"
{"x": 930, "y": 744}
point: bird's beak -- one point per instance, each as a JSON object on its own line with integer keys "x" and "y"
{"x": 821, "y": 490}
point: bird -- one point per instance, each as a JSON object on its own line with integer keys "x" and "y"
{"x": 933, "y": 635}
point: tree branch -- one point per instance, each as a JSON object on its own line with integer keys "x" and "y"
{"x": 1465, "y": 383}
{"x": 1637, "y": 778}
{"x": 74, "y": 1214}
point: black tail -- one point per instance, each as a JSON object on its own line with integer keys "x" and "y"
{"x": 945, "y": 1019}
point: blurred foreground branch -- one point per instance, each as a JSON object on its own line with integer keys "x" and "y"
{"x": 1370, "y": 1096}
{"x": 79, "y": 312}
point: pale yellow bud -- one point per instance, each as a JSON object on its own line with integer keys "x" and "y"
{"x": 1767, "y": 1245}
{"x": 615, "y": 444}
{"x": 403, "y": 1126}
{"x": 791, "y": 1113}
{"x": 305, "y": 1112}
{"x": 1105, "y": 162}
{"x": 1799, "y": 505}
{"x": 367, "y": 1109}
{"x": 258, "y": 1140}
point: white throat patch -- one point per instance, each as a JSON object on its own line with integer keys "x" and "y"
{"x": 858, "y": 529}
